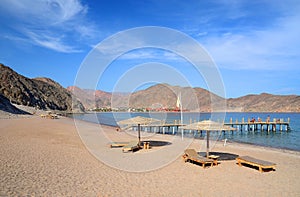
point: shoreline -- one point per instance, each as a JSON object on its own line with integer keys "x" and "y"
{"x": 26, "y": 116}
{"x": 267, "y": 147}
{"x": 111, "y": 127}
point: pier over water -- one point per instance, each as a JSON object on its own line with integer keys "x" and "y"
{"x": 258, "y": 125}
{"x": 275, "y": 125}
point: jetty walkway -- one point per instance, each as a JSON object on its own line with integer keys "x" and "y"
{"x": 249, "y": 125}
{"x": 259, "y": 125}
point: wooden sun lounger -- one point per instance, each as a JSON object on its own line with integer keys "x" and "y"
{"x": 132, "y": 146}
{"x": 261, "y": 164}
{"x": 118, "y": 144}
{"x": 192, "y": 155}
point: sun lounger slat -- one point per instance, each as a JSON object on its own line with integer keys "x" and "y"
{"x": 261, "y": 164}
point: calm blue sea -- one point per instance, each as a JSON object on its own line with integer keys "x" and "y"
{"x": 284, "y": 140}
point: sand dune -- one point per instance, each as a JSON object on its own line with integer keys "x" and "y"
{"x": 44, "y": 157}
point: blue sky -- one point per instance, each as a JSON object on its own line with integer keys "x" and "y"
{"x": 255, "y": 44}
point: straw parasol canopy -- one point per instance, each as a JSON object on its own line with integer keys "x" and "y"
{"x": 208, "y": 126}
{"x": 138, "y": 120}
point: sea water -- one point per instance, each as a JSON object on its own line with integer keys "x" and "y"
{"x": 279, "y": 139}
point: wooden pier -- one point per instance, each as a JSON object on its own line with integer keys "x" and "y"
{"x": 250, "y": 125}
{"x": 253, "y": 125}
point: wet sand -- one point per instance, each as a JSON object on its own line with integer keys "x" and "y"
{"x": 45, "y": 157}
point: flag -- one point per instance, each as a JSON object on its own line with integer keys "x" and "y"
{"x": 178, "y": 103}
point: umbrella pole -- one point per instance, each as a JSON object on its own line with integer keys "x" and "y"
{"x": 207, "y": 144}
{"x": 139, "y": 134}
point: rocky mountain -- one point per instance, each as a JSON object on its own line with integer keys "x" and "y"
{"x": 91, "y": 99}
{"x": 155, "y": 97}
{"x": 42, "y": 93}
{"x": 265, "y": 103}
{"x": 192, "y": 99}
{"x": 164, "y": 95}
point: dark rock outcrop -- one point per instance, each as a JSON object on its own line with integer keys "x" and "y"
{"x": 6, "y": 106}
{"x": 42, "y": 93}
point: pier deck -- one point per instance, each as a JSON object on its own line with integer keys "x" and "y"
{"x": 276, "y": 125}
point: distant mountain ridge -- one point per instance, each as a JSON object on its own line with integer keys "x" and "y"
{"x": 193, "y": 99}
{"x": 266, "y": 103}
{"x": 42, "y": 93}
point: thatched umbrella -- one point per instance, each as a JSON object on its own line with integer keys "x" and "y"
{"x": 208, "y": 126}
{"x": 139, "y": 120}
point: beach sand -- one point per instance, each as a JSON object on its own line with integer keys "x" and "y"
{"x": 45, "y": 157}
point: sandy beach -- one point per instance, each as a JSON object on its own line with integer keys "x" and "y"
{"x": 45, "y": 157}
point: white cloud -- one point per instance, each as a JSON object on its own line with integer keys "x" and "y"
{"x": 50, "y": 23}
{"x": 140, "y": 54}
{"x": 51, "y": 42}
{"x": 252, "y": 35}
{"x": 154, "y": 44}
{"x": 274, "y": 48}
{"x": 44, "y": 12}
{"x": 151, "y": 54}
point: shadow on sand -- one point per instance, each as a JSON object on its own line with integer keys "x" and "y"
{"x": 222, "y": 156}
{"x": 158, "y": 143}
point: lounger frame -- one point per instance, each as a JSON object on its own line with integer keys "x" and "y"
{"x": 261, "y": 164}
{"x": 132, "y": 146}
{"x": 118, "y": 144}
{"x": 190, "y": 155}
